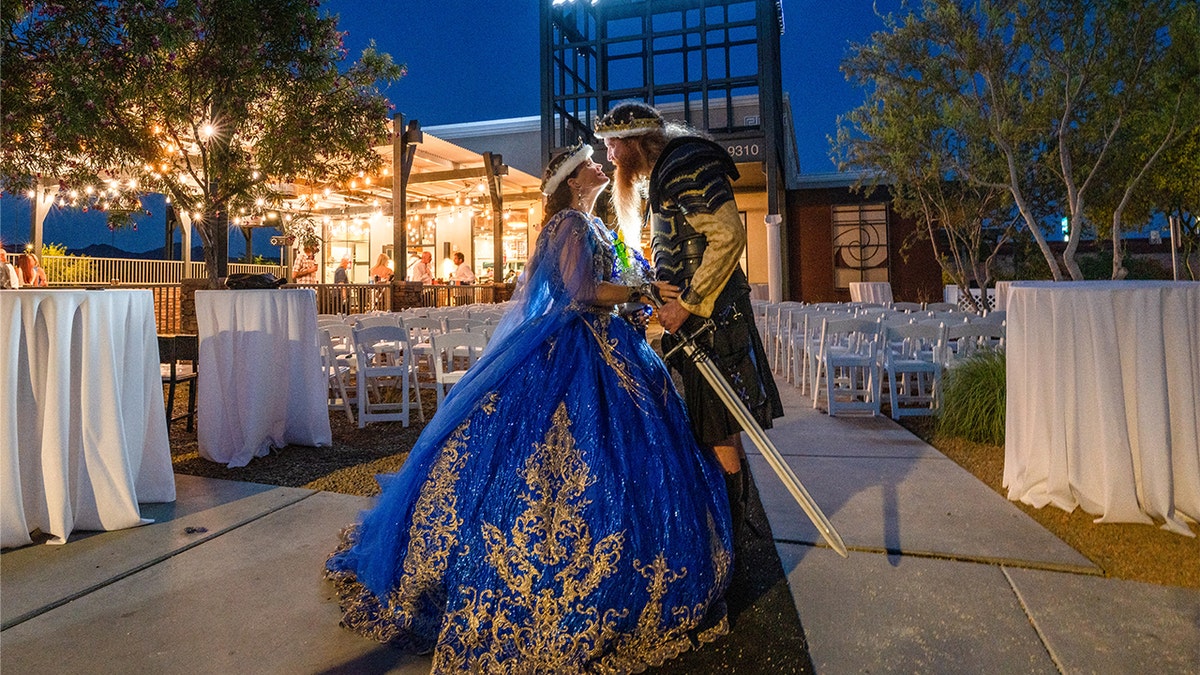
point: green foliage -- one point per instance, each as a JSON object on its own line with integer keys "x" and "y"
{"x": 211, "y": 103}
{"x": 1099, "y": 266}
{"x": 981, "y": 113}
{"x": 973, "y": 399}
{"x": 1028, "y": 261}
{"x": 66, "y": 269}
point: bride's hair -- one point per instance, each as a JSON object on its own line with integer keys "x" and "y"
{"x": 560, "y": 199}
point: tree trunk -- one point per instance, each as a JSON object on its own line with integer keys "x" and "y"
{"x": 1073, "y": 240}
{"x": 1027, "y": 215}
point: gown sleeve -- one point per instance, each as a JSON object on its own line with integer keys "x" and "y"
{"x": 575, "y": 248}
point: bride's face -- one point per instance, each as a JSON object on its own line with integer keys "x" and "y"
{"x": 590, "y": 178}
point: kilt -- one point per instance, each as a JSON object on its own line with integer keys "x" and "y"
{"x": 737, "y": 350}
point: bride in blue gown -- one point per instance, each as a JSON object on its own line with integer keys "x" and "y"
{"x": 556, "y": 514}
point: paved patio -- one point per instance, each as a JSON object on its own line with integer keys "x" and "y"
{"x": 944, "y": 575}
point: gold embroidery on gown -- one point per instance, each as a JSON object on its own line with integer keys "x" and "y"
{"x": 608, "y": 350}
{"x": 528, "y": 626}
{"x": 433, "y": 536}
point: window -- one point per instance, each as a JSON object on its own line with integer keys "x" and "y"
{"x": 860, "y": 244}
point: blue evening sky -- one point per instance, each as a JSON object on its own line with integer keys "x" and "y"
{"x": 478, "y": 60}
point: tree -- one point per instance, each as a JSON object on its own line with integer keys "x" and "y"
{"x": 1046, "y": 89}
{"x": 1154, "y": 164}
{"x": 211, "y": 102}
{"x": 1174, "y": 190}
{"x": 1125, "y": 83}
{"x": 925, "y": 144}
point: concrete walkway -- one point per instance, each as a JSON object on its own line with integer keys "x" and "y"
{"x": 943, "y": 576}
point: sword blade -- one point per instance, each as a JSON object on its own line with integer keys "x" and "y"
{"x": 764, "y": 444}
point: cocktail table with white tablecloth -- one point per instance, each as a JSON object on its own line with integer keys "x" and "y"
{"x": 83, "y": 437}
{"x": 871, "y": 291}
{"x": 261, "y": 381}
{"x": 1103, "y": 406}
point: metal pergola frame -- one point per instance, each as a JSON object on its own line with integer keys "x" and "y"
{"x": 591, "y": 53}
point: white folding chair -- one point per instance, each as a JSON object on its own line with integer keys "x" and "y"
{"x": 913, "y": 367}
{"x": 451, "y": 350}
{"x": 371, "y": 320}
{"x": 420, "y": 337}
{"x": 463, "y": 324}
{"x": 849, "y": 362}
{"x": 964, "y": 339}
{"x": 783, "y": 338}
{"x": 941, "y": 307}
{"x": 760, "y": 307}
{"x": 385, "y": 366}
{"x": 338, "y": 368}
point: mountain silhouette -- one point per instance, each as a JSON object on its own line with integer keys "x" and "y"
{"x": 110, "y": 251}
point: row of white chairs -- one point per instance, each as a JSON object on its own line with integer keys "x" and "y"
{"x": 387, "y": 356}
{"x": 844, "y": 352}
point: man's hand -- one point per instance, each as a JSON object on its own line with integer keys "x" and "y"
{"x": 672, "y": 315}
{"x": 666, "y": 291}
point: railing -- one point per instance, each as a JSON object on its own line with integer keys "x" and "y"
{"x": 76, "y": 270}
{"x": 450, "y": 296}
{"x": 952, "y": 294}
{"x": 350, "y": 298}
{"x": 162, "y": 277}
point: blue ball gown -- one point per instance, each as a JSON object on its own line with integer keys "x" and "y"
{"x": 556, "y": 515}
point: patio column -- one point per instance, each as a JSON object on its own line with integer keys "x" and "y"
{"x": 774, "y": 262}
{"x": 185, "y": 223}
{"x": 43, "y": 199}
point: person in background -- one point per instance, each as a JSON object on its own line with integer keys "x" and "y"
{"x": 463, "y": 275}
{"x": 31, "y": 272}
{"x": 9, "y": 278}
{"x": 304, "y": 270}
{"x": 342, "y": 274}
{"x": 422, "y": 271}
{"x": 381, "y": 273}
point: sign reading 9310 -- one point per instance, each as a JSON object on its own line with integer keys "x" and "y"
{"x": 745, "y": 149}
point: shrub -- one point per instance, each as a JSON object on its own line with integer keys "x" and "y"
{"x": 973, "y": 399}
{"x": 66, "y": 269}
{"x": 1099, "y": 266}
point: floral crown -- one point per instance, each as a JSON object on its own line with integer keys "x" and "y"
{"x": 629, "y": 119}
{"x": 564, "y": 165}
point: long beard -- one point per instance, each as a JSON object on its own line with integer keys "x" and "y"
{"x": 628, "y": 189}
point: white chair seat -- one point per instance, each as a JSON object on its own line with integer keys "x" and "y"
{"x": 448, "y": 351}
{"x": 849, "y": 362}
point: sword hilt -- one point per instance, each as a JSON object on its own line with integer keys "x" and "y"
{"x": 650, "y": 292}
{"x": 690, "y": 339}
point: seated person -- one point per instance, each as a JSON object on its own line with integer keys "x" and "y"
{"x": 462, "y": 274}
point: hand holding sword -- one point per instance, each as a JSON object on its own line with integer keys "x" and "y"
{"x": 656, "y": 295}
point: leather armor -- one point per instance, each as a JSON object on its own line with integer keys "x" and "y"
{"x": 692, "y": 175}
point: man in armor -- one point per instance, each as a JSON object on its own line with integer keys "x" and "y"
{"x": 697, "y": 239}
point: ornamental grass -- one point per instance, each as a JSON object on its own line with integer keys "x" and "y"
{"x": 973, "y": 399}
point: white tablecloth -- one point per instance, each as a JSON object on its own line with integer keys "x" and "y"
{"x": 261, "y": 382}
{"x": 1104, "y": 398}
{"x": 1001, "y": 300}
{"x": 871, "y": 291}
{"x": 82, "y": 429}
